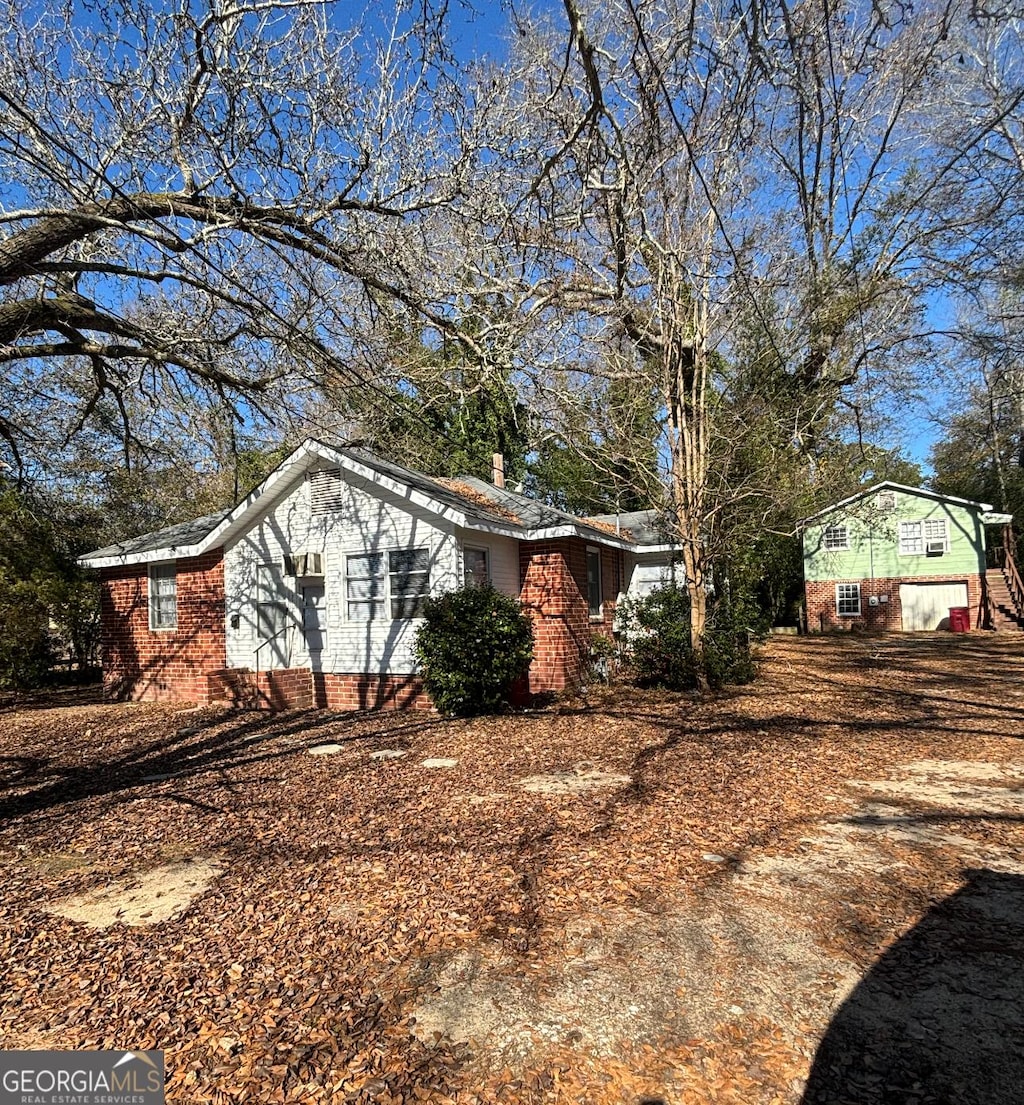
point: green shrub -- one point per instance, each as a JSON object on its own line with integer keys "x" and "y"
{"x": 656, "y": 630}
{"x": 473, "y": 646}
{"x": 657, "y": 634}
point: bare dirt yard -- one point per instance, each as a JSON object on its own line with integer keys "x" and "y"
{"x": 809, "y": 890}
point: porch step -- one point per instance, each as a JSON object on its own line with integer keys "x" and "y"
{"x": 1004, "y": 613}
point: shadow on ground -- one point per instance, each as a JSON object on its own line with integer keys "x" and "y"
{"x": 940, "y": 1017}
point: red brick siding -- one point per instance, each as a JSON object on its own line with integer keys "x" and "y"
{"x": 300, "y": 688}
{"x": 554, "y": 592}
{"x": 821, "y": 602}
{"x": 163, "y": 664}
{"x": 370, "y": 692}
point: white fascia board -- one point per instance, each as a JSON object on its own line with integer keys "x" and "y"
{"x": 643, "y": 550}
{"x": 150, "y": 556}
{"x": 888, "y": 485}
{"x": 990, "y": 518}
{"x": 551, "y": 533}
{"x": 594, "y": 537}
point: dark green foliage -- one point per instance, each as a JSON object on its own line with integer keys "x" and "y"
{"x": 473, "y": 646}
{"x": 657, "y": 631}
{"x": 47, "y": 605}
{"x": 26, "y": 648}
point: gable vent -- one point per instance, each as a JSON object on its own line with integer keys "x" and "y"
{"x": 325, "y": 491}
{"x": 886, "y": 500}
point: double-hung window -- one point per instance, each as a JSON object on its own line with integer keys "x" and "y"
{"x": 835, "y": 538}
{"x": 928, "y": 537}
{"x": 163, "y": 596}
{"x": 382, "y": 584}
{"x": 408, "y": 581}
{"x": 848, "y": 600}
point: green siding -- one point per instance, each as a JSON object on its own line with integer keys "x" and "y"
{"x": 874, "y": 541}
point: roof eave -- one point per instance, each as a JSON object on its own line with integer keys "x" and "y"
{"x": 889, "y": 485}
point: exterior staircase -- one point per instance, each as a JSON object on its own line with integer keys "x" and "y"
{"x": 1005, "y": 613}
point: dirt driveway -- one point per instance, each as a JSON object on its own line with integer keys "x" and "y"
{"x": 808, "y": 890}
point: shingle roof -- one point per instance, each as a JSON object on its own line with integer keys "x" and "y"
{"x": 646, "y": 527}
{"x": 180, "y": 535}
{"x": 479, "y": 502}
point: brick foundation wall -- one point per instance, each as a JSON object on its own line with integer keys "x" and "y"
{"x": 370, "y": 692}
{"x": 820, "y": 596}
{"x": 300, "y": 688}
{"x": 163, "y": 664}
{"x": 553, "y": 578}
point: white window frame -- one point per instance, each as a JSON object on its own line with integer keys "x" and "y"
{"x": 595, "y": 614}
{"x": 839, "y": 540}
{"x": 385, "y": 596}
{"x": 916, "y": 535}
{"x": 853, "y": 590}
{"x": 158, "y": 622}
{"x": 472, "y": 580}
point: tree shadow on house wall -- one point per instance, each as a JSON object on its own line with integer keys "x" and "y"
{"x": 939, "y": 1019}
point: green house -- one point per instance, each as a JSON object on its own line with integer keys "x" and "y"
{"x": 901, "y": 558}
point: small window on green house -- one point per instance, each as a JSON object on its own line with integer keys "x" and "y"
{"x": 848, "y": 600}
{"x": 835, "y": 538}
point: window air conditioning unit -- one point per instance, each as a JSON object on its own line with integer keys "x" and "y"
{"x": 304, "y": 564}
{"x": 935, "y": 548}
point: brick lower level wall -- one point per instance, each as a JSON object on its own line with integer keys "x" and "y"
{"x": 821, "y": 602}
{"x": 370, "y": 692}
{"x": 163, "y": 664}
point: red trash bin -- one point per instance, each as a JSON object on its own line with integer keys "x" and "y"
{"x": 959, "y": 619}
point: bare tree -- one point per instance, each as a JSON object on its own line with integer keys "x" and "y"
{"x": 211, "y": 197}
{"x": 709, "y": 173}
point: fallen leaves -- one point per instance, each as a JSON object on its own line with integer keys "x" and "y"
{"x": 350, "y": 882}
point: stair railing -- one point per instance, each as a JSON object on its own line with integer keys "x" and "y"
{"x": 1011, "y": 573}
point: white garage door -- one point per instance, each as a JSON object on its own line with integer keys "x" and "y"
{"x": 925, "y": 605}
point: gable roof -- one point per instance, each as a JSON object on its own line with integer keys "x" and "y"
{"x": 888, "y": 485}
{"x": 466, "y": 502}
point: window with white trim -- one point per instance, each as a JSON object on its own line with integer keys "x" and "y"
{"x": 476, "y": 571}
{"x": 848, "y": 600}
{"x": 594, "y": 595}
{"x": 835, "y": 538}
{"x": 163, "y": 596}
{"x": 379, "y": 583}
{"x": 929, "y": 537}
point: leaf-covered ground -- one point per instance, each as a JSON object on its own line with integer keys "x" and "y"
{"x": 816, "y": 876}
